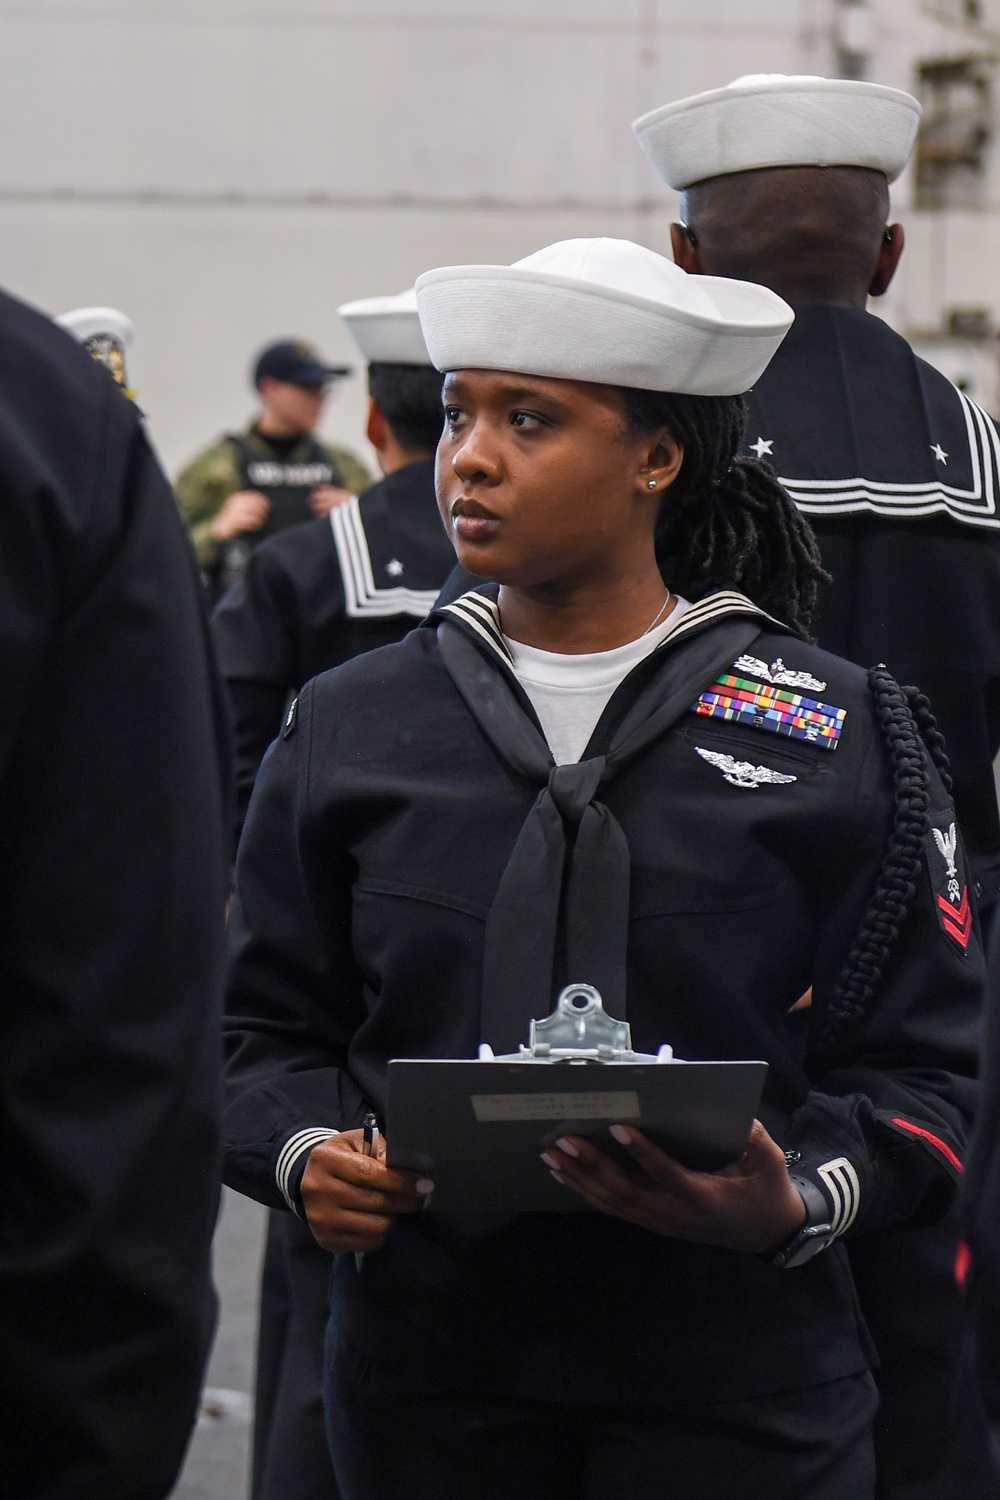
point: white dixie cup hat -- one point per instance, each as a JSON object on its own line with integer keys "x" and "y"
{"x": 606, "y": 311}
{"x": 386, "y": 330}
{"x": 780, "y": 120}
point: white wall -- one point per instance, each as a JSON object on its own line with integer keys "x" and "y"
{"x": 228, "y": 171}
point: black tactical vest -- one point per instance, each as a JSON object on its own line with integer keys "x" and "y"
{"x": 287, "y": 483}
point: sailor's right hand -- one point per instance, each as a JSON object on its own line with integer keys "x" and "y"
{"x": 351, "y": 1200}
{"x": 246, "y": 510}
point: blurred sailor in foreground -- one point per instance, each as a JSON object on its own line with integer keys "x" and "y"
{"x": 250, "y": 485}
{"x": 785, "y": 182}
{"x": 358, "y": 578}
{"x": 113, "y": 784}
{"x": 312, "y": 597}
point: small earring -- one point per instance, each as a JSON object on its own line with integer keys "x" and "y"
{"x": 651, "y": 484}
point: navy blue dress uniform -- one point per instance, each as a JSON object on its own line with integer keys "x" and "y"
{"x": 899, "y": 474}
{"x": 905, "y": 512}
{"x": 113, "y": 789}
{"x": 312, "y": 597}
{"x": 755, "y": 889}
{"x": 752, "y": 818}
{"x": 321, "y": 593}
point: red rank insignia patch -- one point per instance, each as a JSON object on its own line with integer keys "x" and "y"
{"x": 949, "y": 883}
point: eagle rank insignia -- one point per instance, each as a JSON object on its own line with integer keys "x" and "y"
{"x": 950, "y": 884}
{"x": 743, "y": 772}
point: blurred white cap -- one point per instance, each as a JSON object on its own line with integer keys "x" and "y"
{"x": 89, "y": 322}
{"x": 105, "y": 333}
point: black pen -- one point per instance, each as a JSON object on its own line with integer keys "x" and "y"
{"x": 369, "y": 1147}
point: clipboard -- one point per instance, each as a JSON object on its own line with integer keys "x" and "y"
{"x": 478, "y": 1127}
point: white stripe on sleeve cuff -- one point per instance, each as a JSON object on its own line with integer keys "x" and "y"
{"x": 841, "y": 1182}
{"x": 294, "y": 1148}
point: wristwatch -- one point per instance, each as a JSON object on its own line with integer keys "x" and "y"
{"x": 814, "y": 1234}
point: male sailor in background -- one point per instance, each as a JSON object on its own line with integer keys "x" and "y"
{"x": 363, "y": 575}
{"x": 311, "y": 598}
{"x": 785, "y": 182}
{"x": 896, "y": 468}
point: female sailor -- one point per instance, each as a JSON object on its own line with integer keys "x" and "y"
{"x": 621, "y": 762}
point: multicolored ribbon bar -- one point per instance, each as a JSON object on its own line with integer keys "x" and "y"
{"x": 764, "y": 706}
{"x": 765, "y": 692}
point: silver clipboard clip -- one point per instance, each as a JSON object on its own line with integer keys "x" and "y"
{"x": 578, "y": 1030}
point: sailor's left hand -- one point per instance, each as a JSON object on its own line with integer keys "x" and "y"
{"x": 751, "y": 1205}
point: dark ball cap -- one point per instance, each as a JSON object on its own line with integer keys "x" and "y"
{"x": 297, "y": 363}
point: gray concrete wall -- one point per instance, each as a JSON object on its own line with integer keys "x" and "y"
{"x": 228, "y": 171}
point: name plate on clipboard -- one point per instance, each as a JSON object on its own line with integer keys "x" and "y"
{"x": 478, "y": 1127}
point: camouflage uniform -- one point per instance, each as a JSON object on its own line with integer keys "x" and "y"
{"x": 208, "y": 480}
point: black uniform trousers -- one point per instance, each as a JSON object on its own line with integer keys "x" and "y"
{"x": 290, "y": 1452}
{"x": 799, "y": 1445}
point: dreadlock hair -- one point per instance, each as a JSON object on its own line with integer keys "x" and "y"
{"x": 726, "y": 522}
{"x": 908, "y": 727}
{"x": 409, "y": 397}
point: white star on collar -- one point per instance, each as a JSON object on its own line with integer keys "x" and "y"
{"x": 939, "y": 453}
{"x": 762, "y": 446}
{"x": 394, "y": 567}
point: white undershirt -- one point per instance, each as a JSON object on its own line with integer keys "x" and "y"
{"x": 569, "y": 693}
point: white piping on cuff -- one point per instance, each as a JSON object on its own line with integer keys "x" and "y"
{"x": 841, "y": 1182}
{"x": 301, "y": 1142}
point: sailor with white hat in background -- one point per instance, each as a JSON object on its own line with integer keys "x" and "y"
{"x": 105, "y": 333}
{"x": 620, "y": 762}
{"x": 785, "y": 181}
{"x": 327, "y": 590}
{"x": 314, "y": 596}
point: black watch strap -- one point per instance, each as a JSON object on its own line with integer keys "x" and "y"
{"x": 814, "y": 1235}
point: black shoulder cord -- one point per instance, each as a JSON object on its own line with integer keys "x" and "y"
{"x": 907, "y": 724}
{"x": 929, "y": 732}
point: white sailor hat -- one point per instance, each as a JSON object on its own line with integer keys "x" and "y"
{"x": 607, "y": 311}
{"x": 387, "y": 329}
{"x": 105, "y": 333}
{"x": 776, "y": 120}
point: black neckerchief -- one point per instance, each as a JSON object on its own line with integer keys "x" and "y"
{"x": 571, "y": 859}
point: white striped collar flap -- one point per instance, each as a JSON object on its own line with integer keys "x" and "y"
{"x": 480, "y": 613}
{"x": 364, "y": 600}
